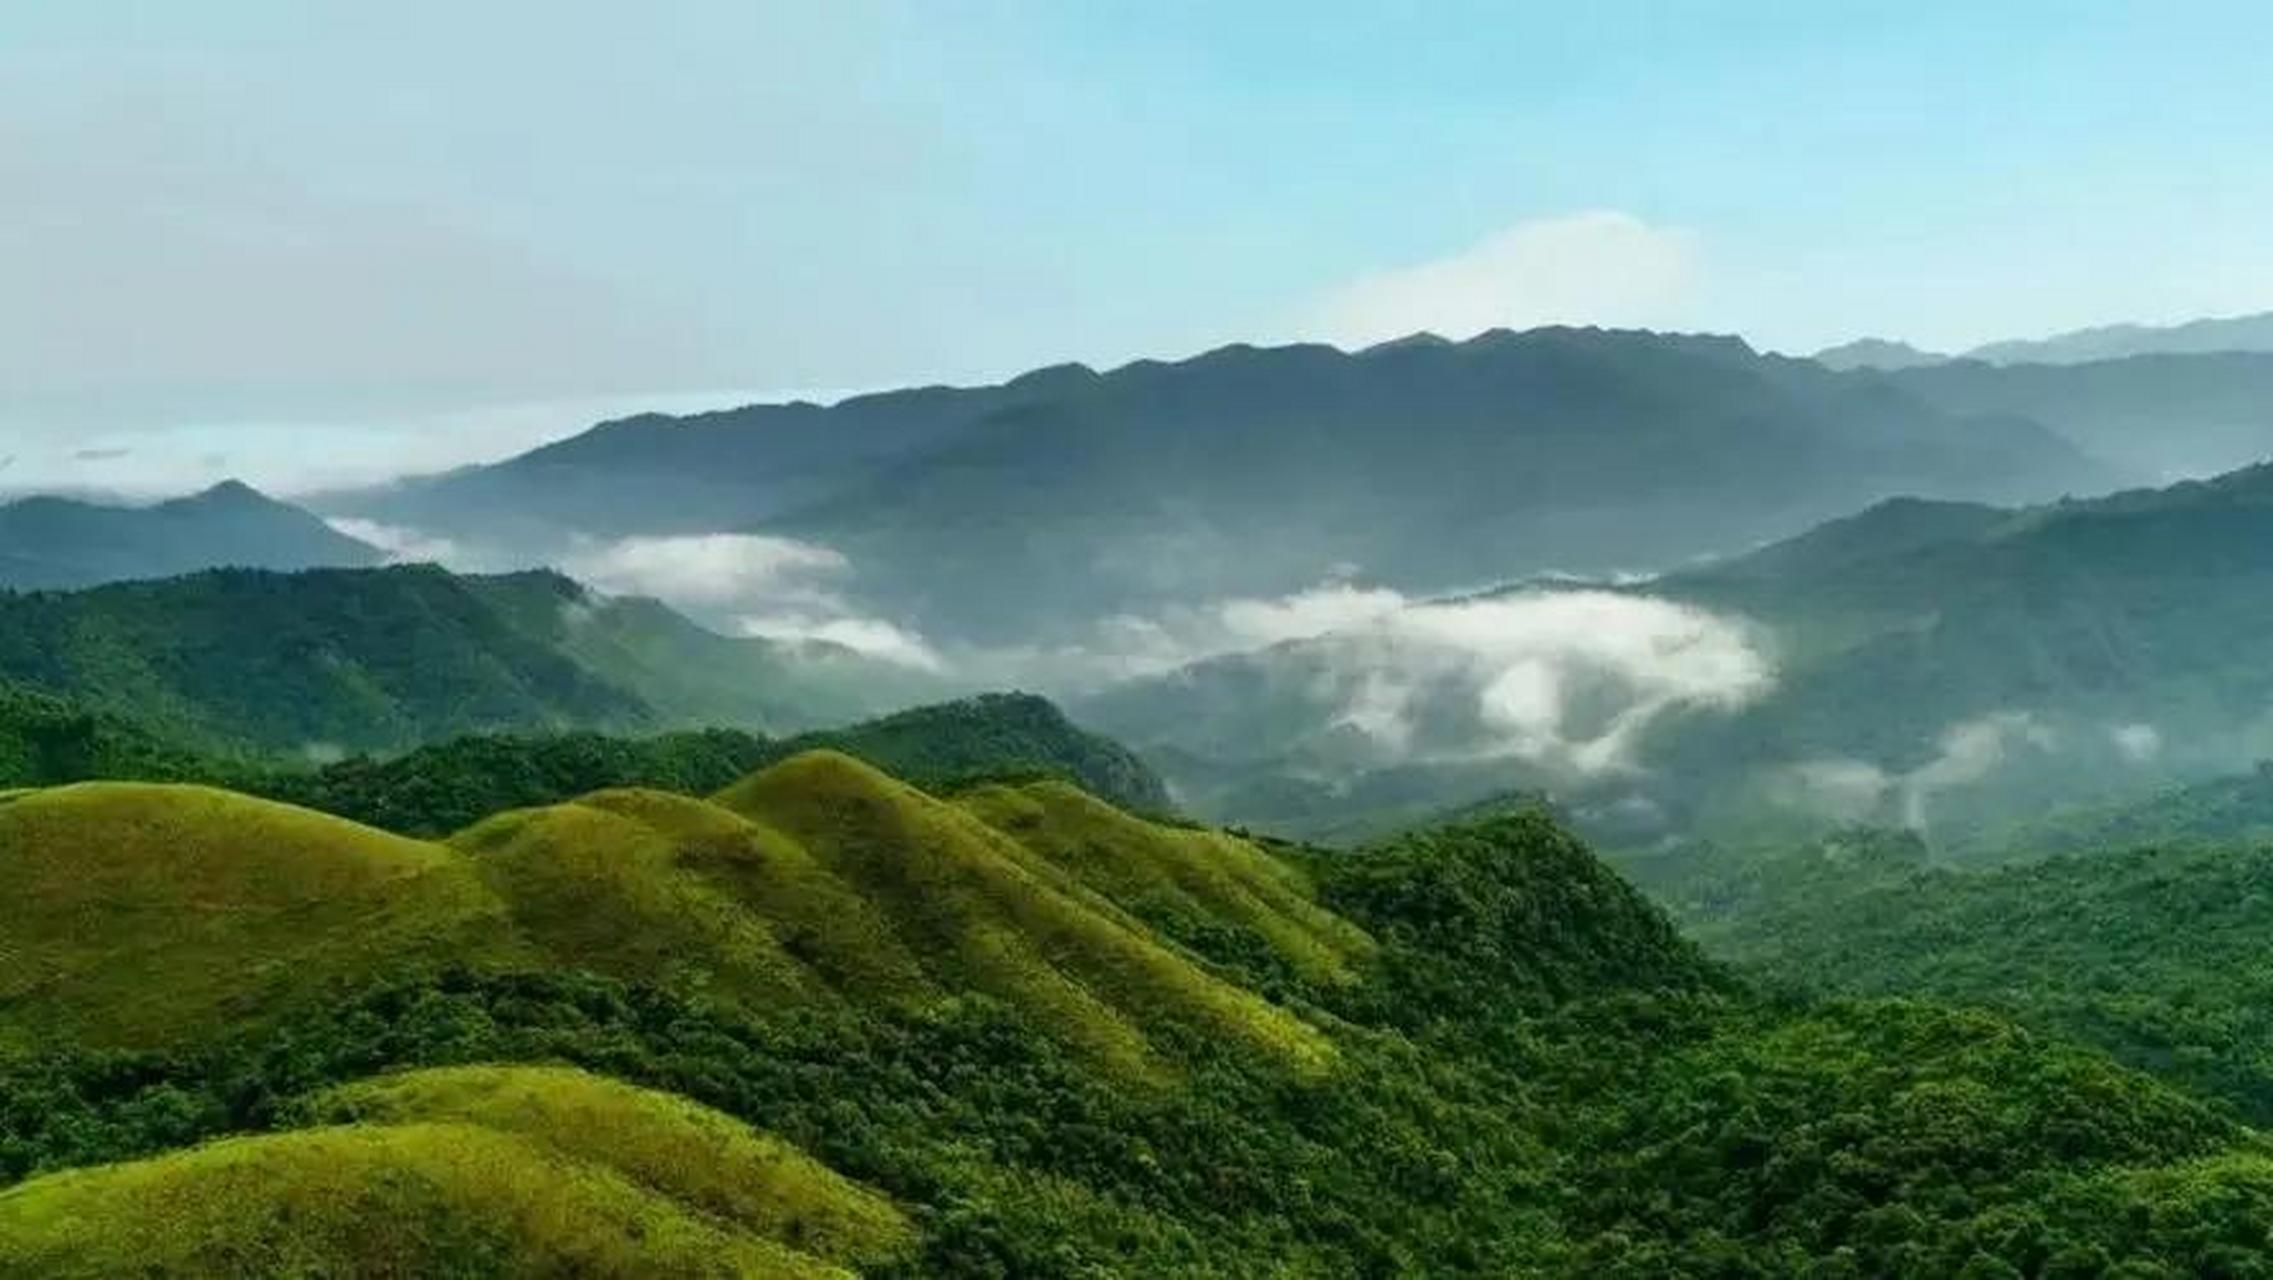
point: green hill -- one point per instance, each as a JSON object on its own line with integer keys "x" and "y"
{"x": 1214, "y": 893}
{"x": 500, "y": 1171}
{"x": 147, "y": 915}
{"x": 982, "y": 912}
{"x": 137, "y": 915}
{"x": 828, "y": 1022}
{"x": 326, "y": 661}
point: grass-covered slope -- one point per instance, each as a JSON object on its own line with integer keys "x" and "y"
{"x": 135, "y": 914}
{"x": 1215, "y": 893}
{"x": 500, "y": 1172}
{"x": 985, "y": 913}
{"x": 147, "y": 916}
{"x": 691, "y": 1153}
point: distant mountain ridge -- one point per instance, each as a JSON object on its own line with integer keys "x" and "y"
{"x": 2118, "y": 341}
{"x": 1875, "y": 353}
{"x": 1067, "y": 494}
{"x": 49, "y": 543}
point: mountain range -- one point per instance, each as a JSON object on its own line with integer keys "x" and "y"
{"x": 1023, "y": 513}
{"x": 2211, "y": 336}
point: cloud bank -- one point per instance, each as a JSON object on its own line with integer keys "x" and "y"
{"x": 754, "y": 585}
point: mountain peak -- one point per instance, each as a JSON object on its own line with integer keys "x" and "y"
{"x": 1876, "y": 353}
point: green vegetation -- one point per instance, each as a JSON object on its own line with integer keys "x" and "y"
{"x": 137, "y": 915}
{"x": 329, "y": 661}
{"x": 491, "y": 1171}
{"x": 2157, "y": 955}
{"x": 827, "y": 1020}
{"x": 663, "y": 1142}
{"x": 1213, "y": 893}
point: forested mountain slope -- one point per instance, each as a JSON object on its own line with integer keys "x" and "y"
{"x": 332, "y": 660}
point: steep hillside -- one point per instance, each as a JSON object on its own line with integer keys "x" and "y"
{"x": 332, "y": 660}
{"x": 1025, "y": 513}
{"x": 62, "y": 543}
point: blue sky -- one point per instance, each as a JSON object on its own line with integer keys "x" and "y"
{"x": 310, "y": 241}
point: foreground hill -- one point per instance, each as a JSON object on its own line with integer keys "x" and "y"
{"x": 144, "y": 915}
{"x": 507, "y": 1171}
{"x": 1069, "y": 495}
{"x": 332, "y": 660}
{"x": 1016, "y": 1033}
{"x": 62, "y": 543}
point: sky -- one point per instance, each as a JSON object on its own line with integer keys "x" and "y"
{"x": 316, "y": 243}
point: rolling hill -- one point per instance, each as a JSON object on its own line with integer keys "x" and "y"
{"x": 514, "y": 1171}
{"x": 140, "y": 914}
{"x": 1024, "y": 513}
{"x": 49, "y": 543}
{"x": 840, "y": 1026}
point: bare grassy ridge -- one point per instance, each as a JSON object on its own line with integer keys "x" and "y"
{"x": 137, "y": 914}
{"x": 507, "y": 1171}
{"x": 148, "y": 916}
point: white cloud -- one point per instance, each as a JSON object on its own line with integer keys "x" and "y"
{"x": 1334, "y": 606}
{"x": 873, "y": 637}
{"x": 1600, "y": 267}
{"x": 1856, "y": 790}
{"x": 752, "y": 584}
{"x": 400, "y": 543}
{"x": 1569, "y": 679}
{"x": 2139, "y": 743}
{"x": 709, "y": 569}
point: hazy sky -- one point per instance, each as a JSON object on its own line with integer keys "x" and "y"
{"x": 306, "y": 241}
